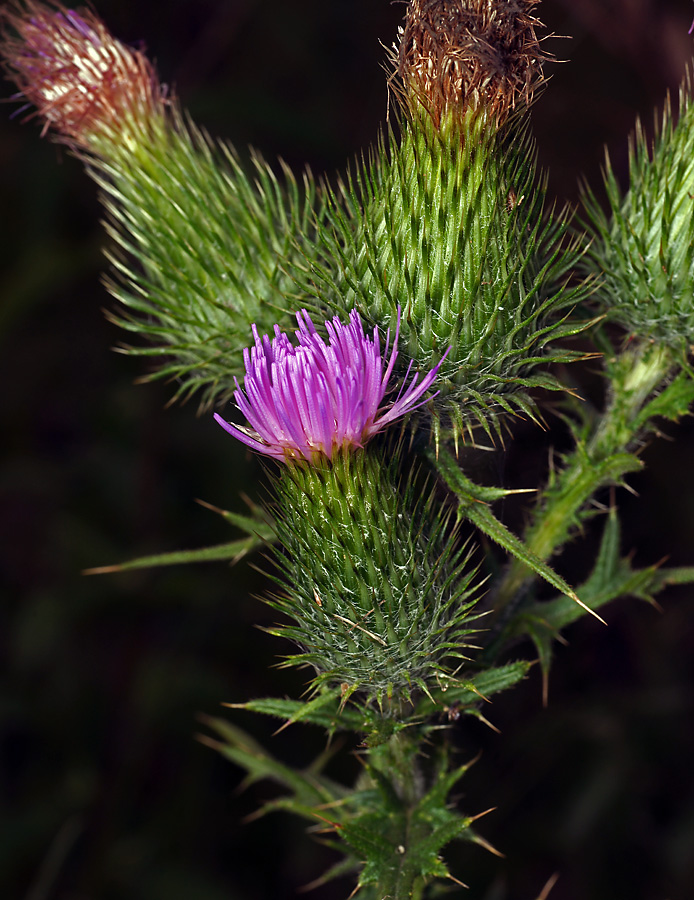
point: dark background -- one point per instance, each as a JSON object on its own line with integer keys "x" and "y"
{"x": 104, "y": 793}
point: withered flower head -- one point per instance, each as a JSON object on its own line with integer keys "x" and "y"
{"x": 481, "y": 55}
{"x": 82, "y": 81}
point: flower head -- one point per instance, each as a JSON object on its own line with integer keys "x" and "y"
{"x": 316, "y": 398}
{"x": 484, "y": 54}
{"x": 81, "y": 80}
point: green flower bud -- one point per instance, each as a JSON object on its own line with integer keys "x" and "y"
{"x": 447, "y": 223}
{"x": 643, "y": 249}
{"x": 202, "y": 247}
{"x": 203, "y": 251}
{"x": 377, "y": 584}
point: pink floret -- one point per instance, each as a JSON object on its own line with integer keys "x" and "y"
{"x": 316, "y": 398}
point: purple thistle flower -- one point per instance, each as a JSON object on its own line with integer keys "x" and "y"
{"x": 316, "y": 398}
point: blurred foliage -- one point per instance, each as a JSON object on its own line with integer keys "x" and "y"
{"x": 104, "y": 793}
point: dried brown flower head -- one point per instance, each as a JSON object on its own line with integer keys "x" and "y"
{"x": 82, "y": 81}
{"x": 471, "y": 54}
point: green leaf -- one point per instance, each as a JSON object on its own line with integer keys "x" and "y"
{"x": 543, "y": 639}
{"x": 492, "y": 681}
{"x": 257, "y": 526}
{"x": 316, "y": 706}
{"x": 662, "y": 578}
{"x": 459, "y": 695}
{"x": 671, "y": 403}
{"x": 328, "y": 715}
{"x": 309, "y": 789}
{"x": 233, "y": 551}
{"x": 402, "y": 844}
{"x": 473, "y": 506}
{"x": 612, "y": 577}
{"x": 342, "y": 867}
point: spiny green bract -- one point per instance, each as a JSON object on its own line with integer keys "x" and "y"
{"x": 202, "y": 249}
{"x": 644, "y": 249}
{"x": 379, "y": 594}
{"x": 390, "y": 828}
{"x": 448, "y": 224}
{"x": 396, "y": 834}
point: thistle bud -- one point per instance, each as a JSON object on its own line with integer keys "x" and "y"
{"x": 447, "y": 221}
{"x": 643, "y": 250}
{"x": 83, "y": 82}
{"x": 203, "y": 248}
{"x": 377, "y": 585}
{"x": 461, "y": 56}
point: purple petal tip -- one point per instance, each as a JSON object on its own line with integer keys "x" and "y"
{"x": 314, "y": 398}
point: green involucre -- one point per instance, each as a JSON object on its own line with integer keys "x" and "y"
{"x": 202, "y": 249}
{"x": 378, "y": 586}
{"x": 450, "y": 226}
{"x": 644, "y": 249}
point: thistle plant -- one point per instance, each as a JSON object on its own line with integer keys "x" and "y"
{"x": 404, "y": 596}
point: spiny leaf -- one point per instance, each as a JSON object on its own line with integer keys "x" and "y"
{"x": 312, "y": 707}
{"x": 308, "y": 789}
{"x": 329, "y": 715}
{"x": 257, "y": 526}
{"x": 476, "y": 510}
{"x": 612, "y": 577}
{"x": 233, "y": 551}
{"x": 664, "y": 577}
{"x": 674, "y": 402}
{"x": 457, "y": 696}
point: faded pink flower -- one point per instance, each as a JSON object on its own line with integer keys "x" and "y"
{"x": 82, "y": 81}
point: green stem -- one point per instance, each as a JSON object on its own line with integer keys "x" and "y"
{"x": 397, "y": 760}
{"x": 603, "y": 459}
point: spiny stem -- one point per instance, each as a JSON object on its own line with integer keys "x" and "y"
{"x": 636, "y": 374}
